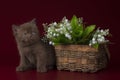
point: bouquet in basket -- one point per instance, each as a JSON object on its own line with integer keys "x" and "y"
{"x": 74, "y": 31}
{"x": 78, "y": 47}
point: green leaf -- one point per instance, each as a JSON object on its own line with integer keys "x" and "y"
{"x": 55, "y": 40}
{"x": 61, "y": 40}
{"x": 77, "y": 32}
{"x": 80, "y": 30}
{"x": 88, "y": 30}
{"x": 74, "y": 21}
{"x": 95, "y": 45}
{"x": 76, "y": 27}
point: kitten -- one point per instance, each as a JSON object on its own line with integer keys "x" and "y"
{"x": 34, "y": 53}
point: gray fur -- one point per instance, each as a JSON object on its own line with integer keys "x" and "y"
{"x": 34, "y": 53}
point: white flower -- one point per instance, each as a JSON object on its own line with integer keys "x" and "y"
{"x": 49, "y": 36}
{"x": 80, "y": 20}
{"x": 94, "y": 42}
{"x": 93, "y": 39}
{"x": 101, "y": 30}
{"x": 68, "y": 24}
{"x": 61, "y": 32}
{"x": 50, "y": 32}
{"x": 70, "y": 31}
{"x": 106, "y": 32}
{"x": 90, "y": 44}
{"x": 61, "y": 25}
{"x": 69, "y": 27}
{"x": 69, "y": 38}
{"x": 66, "y": 20}
{"x": 101, "y": 39}
{"x": 99, "y": 35}
{"x": 54, "y": 23}
{"x": 50, "y": 42}
{"x": 57, "y": 34}
{"x": 95, "y": 35}
{"x": 49, "y": 29}
{"x": 57, "y": 30}
{"x": 54, "y": 34}
{"x": 98, "y": 30}
{"x": 53, "y": 43}
{"x": 67, "y": 35}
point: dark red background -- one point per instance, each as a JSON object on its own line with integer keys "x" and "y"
{"x": 103, "y": 13}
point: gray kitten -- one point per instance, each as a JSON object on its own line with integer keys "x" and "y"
{"x": 34, "y": 53}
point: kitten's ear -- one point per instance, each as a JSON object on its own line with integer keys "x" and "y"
{"x": 33, "y": 21}
{"x": 15, "y": 29}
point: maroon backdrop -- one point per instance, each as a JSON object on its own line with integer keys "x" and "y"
{"x": 103, "y": 13}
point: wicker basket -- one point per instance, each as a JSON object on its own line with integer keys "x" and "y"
{"x": 81, "y": 57}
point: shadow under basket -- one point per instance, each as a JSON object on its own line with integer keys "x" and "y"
{"x": 81, "y": 57}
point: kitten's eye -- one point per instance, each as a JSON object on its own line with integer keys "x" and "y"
{"x": 33, "y": 33}
{"x": 25, "y": 33}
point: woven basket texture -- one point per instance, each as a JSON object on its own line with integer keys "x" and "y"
{"x": 81, "y": 57}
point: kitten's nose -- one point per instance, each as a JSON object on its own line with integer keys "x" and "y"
{"x": 28, "y": 36}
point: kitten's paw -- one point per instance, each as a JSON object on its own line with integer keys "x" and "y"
{"x": 41, "y": 69}
{"x": 21, "y": 68}
{"x": 50, "y": 67}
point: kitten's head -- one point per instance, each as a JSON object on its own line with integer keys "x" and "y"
{"x": 27, "y": 33}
